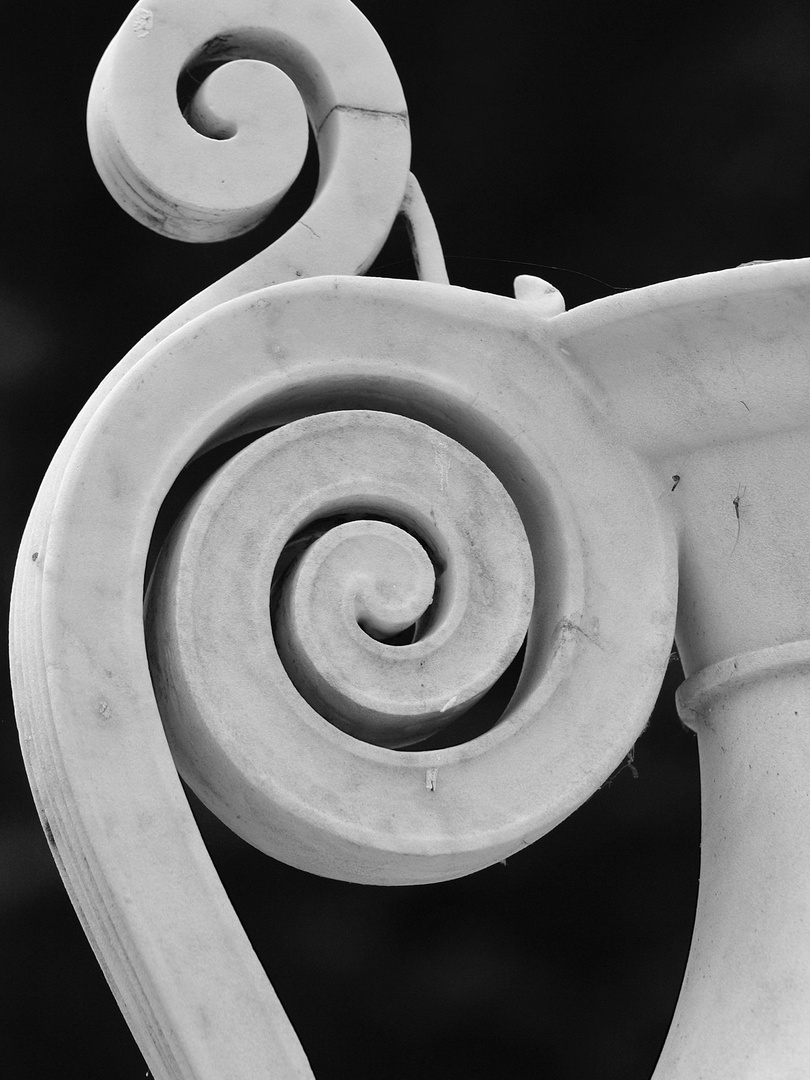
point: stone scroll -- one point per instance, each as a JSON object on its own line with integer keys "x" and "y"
{"x": 425, "y": 487}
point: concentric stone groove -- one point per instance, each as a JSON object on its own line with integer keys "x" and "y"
{"x": 359, "y": 582}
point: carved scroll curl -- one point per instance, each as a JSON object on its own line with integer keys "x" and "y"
{"x": 420, "y": 363}
{"x": 254, "y": 72}
{"x": 399, "y": 580}
{"x": 212, "y": 164}
{"x": 431, "y": 487}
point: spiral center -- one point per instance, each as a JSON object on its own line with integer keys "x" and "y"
{"x": 397, "y": 573}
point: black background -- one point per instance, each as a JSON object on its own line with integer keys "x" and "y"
{"x": 600, "y": 145}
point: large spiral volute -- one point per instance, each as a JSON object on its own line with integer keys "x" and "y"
{"x": 450, "y": 494}
{"x": 325, "y": 612}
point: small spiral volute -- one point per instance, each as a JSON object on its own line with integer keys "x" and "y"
{"x": 332, "y": 603}
{"x": 199, "y": 122}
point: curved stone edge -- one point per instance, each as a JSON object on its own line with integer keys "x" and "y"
{"x": 696, "y": 696}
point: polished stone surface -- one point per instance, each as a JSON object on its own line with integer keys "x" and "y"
{"x": 662, "y": 427}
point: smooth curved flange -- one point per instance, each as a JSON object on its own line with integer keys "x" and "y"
{"x": 699, "y": 695}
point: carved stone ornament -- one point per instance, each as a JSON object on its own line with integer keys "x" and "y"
{"x": 438, "y": 479}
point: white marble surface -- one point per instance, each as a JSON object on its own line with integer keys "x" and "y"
{"x": 635, "y": 454}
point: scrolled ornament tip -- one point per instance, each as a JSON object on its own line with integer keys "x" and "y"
{"x": 213, "y": 166}
{"x": 445, "y": 547}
